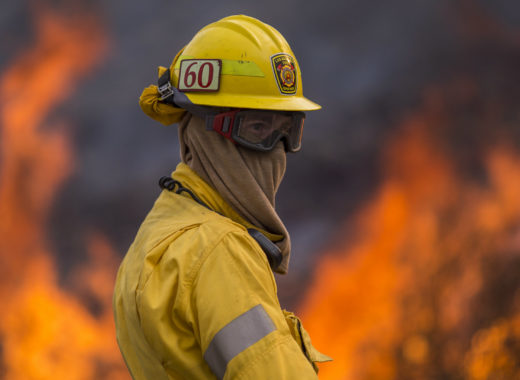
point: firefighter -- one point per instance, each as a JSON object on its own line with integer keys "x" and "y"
{"x": 195, "y": 296}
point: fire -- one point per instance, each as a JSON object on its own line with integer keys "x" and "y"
{"x": 428, "y": 285}
{"x": 47, "y": 332}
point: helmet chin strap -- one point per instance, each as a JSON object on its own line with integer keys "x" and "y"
{"x": 171, "y": 95}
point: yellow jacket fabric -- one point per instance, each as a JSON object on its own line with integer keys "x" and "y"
{"x": 195, "y": 297}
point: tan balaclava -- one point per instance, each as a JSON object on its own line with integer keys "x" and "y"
{"x": 247, "y": 179}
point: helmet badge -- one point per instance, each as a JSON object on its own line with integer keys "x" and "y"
{"x": 199, "y": 75}
{"x": 284, "y": 70}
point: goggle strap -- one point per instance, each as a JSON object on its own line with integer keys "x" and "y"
{"x": 210, "y": 119}
{"x": 223, "y": 124}
{"x": 171, "y": 95}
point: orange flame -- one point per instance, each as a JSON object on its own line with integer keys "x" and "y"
{"x": 416, "y": 294}
{"x": 45, "y": 331}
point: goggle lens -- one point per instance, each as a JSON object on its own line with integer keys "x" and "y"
{"x": 261, "y": 130}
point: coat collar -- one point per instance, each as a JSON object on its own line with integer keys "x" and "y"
{"x": 191, "y": 180}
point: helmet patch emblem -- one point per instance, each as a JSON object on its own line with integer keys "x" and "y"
{"x": 284, "y": 70}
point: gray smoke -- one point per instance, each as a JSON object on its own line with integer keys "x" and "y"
{"x": 365, "y": 62}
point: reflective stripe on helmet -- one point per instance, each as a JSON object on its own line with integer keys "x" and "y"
{"x": 235, "y": 337}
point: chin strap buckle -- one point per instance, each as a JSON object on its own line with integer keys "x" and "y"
{"x": 166, "y": 91}
{"x": 165, "y": 87}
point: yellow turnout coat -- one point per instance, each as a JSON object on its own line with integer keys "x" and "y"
{"x": 195, "y": 297}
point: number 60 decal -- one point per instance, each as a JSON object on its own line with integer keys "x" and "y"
{"x": 199, "y": 75}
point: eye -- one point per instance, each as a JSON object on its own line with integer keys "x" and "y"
{"x": 255, "y": 130}
{"x": 257, "y": 127}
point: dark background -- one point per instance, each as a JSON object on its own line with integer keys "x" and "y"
{"x": 366, "y": 63}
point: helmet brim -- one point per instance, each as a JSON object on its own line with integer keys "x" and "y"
{"x": 289, "y": 103}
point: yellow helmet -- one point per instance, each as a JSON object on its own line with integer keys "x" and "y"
{"x": 240, "y": 62}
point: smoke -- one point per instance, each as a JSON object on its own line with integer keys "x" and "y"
{"x": 367, "y": 63}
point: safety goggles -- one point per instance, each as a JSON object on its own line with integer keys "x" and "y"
{"x": 261, "y": 130}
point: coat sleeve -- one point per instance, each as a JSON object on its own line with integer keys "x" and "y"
{"x": 237, "y": 319}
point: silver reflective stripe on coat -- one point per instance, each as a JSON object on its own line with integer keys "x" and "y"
{"x": 235, "y": 337}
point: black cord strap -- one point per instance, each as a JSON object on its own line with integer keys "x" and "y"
{"x": 169, "y": 183}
